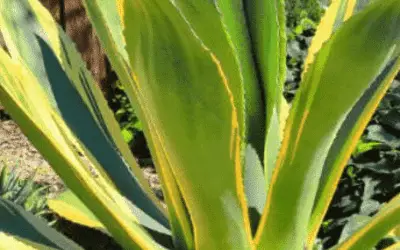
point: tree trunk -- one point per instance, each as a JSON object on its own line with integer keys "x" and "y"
{"x": 71, "y": 15}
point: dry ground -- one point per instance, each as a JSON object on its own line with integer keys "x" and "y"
{"x": 18, "y": 153}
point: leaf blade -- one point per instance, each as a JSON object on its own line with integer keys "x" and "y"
{"x": 42, "y": 24}
{"x": 17, "y": 222}
{"x": 70, "y": 207}
{"x": 170, "y": 65}
{"x": 267, "y": 30}
{"x": 49, "y": 135}
{"x": 77, "y": 116}
{"x": 179, "y": 219}
{"x": 368, "y": 236}
{"x": 357, "y": 119}
{"x": 314, "y": 120}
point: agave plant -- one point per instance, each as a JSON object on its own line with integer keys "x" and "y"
{"x": 239, "y": 168}
{"x": 23, "y": 192}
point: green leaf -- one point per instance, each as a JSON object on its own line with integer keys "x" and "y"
{"x": 235, "y": 21}
{"x": 375, "y": 229}
{"x": 315, "y": 120}
{"x": 363, "y": 147}
{"x": 25, "y": 190}
{"x": 77, "y": 116}
{"x": 127, "y": 135}
{"x": 336, "y": 14}
{"x": 179, "y": 219}
{"x": 73, "y": 209}
{"x": 19, "y": 27}
{"x": 254, "y": 184}
{"x": 220, "y": 26}
{"x": 44, "y": 26}
{"x": 254, "y": 180}
{"x": 171, "y": 67}
{"x": 70, "y": 207}
{"x": 332, "y": 15}
{"x": 4, "y": 174}
{"x": 110, "y": 14}
{"x": 19, "y": 223}
{"x": 267, "y": 30}
{"x": 40, "y": 122}
{"x": 346, "y": 139}
{"x": 36, "y": 200}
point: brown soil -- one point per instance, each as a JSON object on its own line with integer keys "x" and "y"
{"x": 18, "y": 153}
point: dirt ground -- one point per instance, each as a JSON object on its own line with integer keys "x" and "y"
{"x": 18, "y": 153}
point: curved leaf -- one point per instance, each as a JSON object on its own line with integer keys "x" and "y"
{"x": 337, "y": 13}
{"x": 70, "y": 207}
{"x": 235, "y": 22}
{"x": 314, "y": 119}
{"x": 77, "y": 116}
{"x": 42, "y": 125}
{"x": 17, "y": 222}
{"x": 345, "y": 142}
{"x": 41, "y": 24}
{"x": 179, "y": 219}
{"x": 369, "y": 235}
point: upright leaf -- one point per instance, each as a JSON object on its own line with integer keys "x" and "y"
{"x": 221, "y": 27}
{"x": 314, "y": 119}
{"x": 254, "y": 184}
{"x": 112, "y": 20}
{"x": 235, "y": 21}
{"x": 190, "y": 101}
{"x": 345, "y": 142}
{"x": 337, "y": 12}
{"x": 179, "y": 219}
{"x": 267, "y": 32}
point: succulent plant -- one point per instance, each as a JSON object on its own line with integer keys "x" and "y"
{"x": 240, "y": 169}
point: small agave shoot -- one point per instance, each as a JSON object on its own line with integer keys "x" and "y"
{"x": 24, "y": 192}
{"x": 239, "y": 168}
